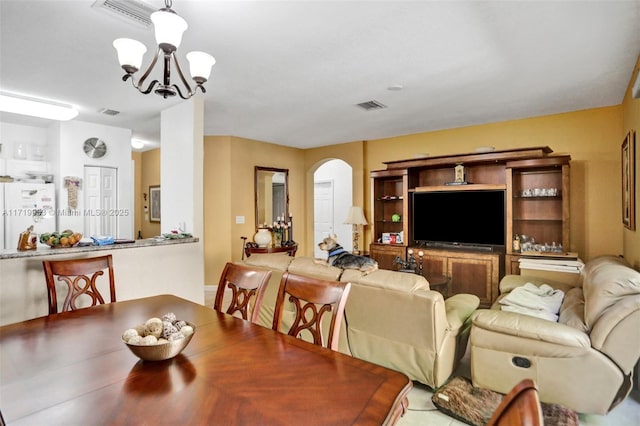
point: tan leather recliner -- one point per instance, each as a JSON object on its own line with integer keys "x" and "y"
{"x": 391, "y": 318}
{"x": 585, "y": 360}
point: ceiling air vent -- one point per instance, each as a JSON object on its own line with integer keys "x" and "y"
{"x": 371, "y": 105}
{"x": 107, "y": 111}
{"x": 131, "y": 10}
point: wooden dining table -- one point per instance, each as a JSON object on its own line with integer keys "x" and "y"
{"x": 73, "y": 368}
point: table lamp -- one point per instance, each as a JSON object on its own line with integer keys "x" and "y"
{"x": 355, "y": 218}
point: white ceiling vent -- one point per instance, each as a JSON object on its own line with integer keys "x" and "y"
{"x": 130, "y": 10}
{"x": 107, "y": 111}
{"x": 371, "y": 105}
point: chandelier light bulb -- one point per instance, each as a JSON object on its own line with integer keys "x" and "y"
{"x": 169, "y": 28}
{"x": 130, "y": 53}
{"x": 200, "y": 64}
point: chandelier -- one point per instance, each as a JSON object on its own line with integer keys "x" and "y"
{"x": 169, "y": 28}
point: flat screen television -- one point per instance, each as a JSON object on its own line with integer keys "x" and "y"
{"x": 459, "y": 218}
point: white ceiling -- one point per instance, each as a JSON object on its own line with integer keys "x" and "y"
{"x": 291, "y": 72}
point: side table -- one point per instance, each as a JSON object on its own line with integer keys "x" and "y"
{"x": 291, "y": 250}
{"x": 438, "y": 282}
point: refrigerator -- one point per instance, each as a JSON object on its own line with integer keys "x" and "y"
{"x": 25, "y": 204}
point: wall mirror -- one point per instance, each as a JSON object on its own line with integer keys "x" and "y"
{"x": 272, "y": 195}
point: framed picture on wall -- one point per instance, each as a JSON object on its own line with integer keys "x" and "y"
{"x": 628, "y": 181}
{"x": 154, "y": 200}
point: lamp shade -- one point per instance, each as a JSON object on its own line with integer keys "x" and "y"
{"x": 169, "y": 28}
{"x": 356, "y": 216}
{"x": 130, "y": 52}
{"x": 200, "y": 64}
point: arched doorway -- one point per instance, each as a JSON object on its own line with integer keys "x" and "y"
{"x": 332, "y": 198}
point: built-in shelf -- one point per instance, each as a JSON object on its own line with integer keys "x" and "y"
{"x": 539, "y": 198}
{"x": 516, "y": 172}
{"x": 537, "y": 220}
{"x": 464, "y": 187}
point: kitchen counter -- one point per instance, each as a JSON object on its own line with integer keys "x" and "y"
{"x": 48, "y": 251}
{"x": 143, "y": 268}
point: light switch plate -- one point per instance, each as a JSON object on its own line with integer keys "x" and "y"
{"x": 239, "y": 220}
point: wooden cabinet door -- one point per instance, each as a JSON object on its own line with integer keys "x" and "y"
{"x": 477, "y": 276}
{"x": 512, "y": 264}
{"x": 434, "y": 264}
{"x": 385, "y": 254}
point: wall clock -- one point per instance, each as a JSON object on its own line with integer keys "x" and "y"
{"x": 94, "y": 148}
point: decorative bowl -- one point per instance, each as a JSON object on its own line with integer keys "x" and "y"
{"x": 161, "y": 351}
{"x": 64, "y": 239}
{"x": 60, "y": 245}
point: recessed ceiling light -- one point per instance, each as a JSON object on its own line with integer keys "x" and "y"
{"x": 395, "y": 87}
{"x": 137, "y": 143}
{"x": 24, "y": 105}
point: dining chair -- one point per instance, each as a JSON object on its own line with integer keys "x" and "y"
{"x": 520, "y": 407}
{"x": 312, "y": 298}
{"x": 81, "y": 278}
{"x": 244, "y": 282}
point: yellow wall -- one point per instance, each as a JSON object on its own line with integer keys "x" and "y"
{"x": 149, "y": 176}
{"x": 229, "y": 192}
{"x": 590, "y": 137}
{"x": 631, "y": 121}
{"x": 136, "y": 157}
{"x": 218, "y": 195}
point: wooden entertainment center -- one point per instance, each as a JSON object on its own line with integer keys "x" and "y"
{"x": 536, "y": 186}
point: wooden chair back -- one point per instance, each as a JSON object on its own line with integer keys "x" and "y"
{"x": 520, "y": 407}
{"x": 81, "y": 277}
{"x": 312, "y": 298}
{"x": 244, "y": 282}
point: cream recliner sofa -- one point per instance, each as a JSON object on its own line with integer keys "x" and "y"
{"x": 585, "y": 360}
{"x": 391, "y": 318}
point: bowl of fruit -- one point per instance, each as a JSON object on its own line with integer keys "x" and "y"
{"x": 64, "y": 239}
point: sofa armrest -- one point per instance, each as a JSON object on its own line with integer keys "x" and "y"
{"x": 509, "y": 282}
{"x": 528, "y": 327}
{"x": 459, "y": 308}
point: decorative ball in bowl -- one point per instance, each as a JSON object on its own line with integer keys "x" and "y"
{"x": 159, "y": 339}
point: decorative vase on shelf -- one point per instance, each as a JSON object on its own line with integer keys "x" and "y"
{"x": 262, "y": 237}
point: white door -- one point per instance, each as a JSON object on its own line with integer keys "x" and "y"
{"x": 109, "y": 181}
{"x": 92, "y": 201}
{"x": 100, "y": 185}
{"x": 322, "y": 214}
